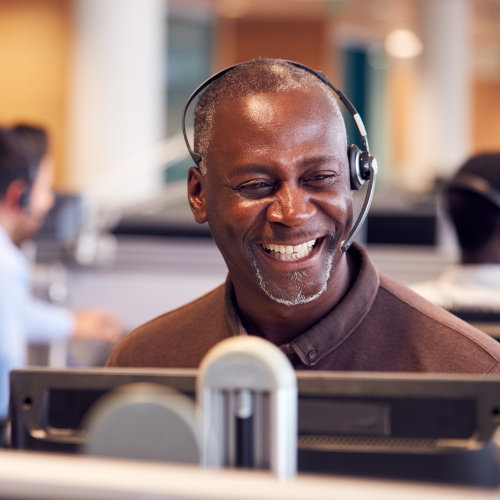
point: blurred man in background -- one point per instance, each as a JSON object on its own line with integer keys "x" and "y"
{"x": 25, "y": 198}
{"x": 472, "y": 200}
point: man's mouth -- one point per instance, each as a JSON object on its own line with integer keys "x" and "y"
{"x": 290, "y": 252}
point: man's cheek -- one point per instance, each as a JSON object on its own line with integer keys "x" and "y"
{"x": 223, "y": 232}
{"x": 232, "y": 232}
{"x": 343, "y": 207}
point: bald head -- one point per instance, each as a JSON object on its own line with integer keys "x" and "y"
{"x": 260, "y": 76}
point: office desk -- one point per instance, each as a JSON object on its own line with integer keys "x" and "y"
{"x": 36, "y": 476}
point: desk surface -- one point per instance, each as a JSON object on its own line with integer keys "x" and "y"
{"x": 43, "y": 476}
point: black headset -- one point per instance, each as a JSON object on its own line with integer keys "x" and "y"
{"x": 25, "y": 196}
{"x": 362, "y": 165}
{"x": 475, "y": 184}
{"x": 29, "y": 166}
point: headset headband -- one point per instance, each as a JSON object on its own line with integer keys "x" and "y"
{"x": 368, "y": 162}
{"x": 352, "y": 110}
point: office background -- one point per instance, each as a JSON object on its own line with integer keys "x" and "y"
{"x": 109, "y": 78}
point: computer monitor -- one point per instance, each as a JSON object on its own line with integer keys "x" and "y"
{"x": 405, "y": 426}
{"x": 64, "y": 220}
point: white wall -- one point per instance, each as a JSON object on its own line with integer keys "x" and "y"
{"x": 440, "y": 130}
{"x": 117, "y": 96}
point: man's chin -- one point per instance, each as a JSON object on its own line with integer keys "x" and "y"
{"x": 293, "y": 299}
{"x": 297, "y": 290}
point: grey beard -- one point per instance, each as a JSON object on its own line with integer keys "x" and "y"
{"x": 295, "y": 276}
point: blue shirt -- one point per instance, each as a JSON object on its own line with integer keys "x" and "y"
{"x": 22, "y": 317}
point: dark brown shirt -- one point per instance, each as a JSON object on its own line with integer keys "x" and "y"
{"x": 380, "y": 325}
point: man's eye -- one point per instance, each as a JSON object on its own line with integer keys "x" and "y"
{"x": 255, "y": 188}
{"x": 320, "y": 180}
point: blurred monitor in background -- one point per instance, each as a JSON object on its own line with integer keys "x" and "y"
{"x": 26, "y": 196}
{"x": 471, "y": 289}
{"x": 64, "y": 220}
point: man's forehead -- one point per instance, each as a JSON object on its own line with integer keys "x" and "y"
{"x": 286, "y": 126}
{"x": 256, "y": 138}
{"x": 276, "y": 115}
{"x": 261, "y": 106}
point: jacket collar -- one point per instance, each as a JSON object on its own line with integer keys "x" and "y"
{"x": 333, "y": 329}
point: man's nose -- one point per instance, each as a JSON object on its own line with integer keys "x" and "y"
{"x": 291, "y": 206}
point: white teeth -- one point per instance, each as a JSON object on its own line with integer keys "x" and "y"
{"x": 289, "y": 252}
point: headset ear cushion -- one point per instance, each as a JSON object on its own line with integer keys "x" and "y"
{"x": 353, "y": 154}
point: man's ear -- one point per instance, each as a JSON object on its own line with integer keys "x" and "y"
{"x": 12, "y": 198}
{"x": 197, "y": 195}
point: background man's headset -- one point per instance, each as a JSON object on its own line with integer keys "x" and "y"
{"x": 362, "y": 165}
{"x": 25, "y": 196}
{"x": 475, "y": 184}
{"x": 31, "y": 166}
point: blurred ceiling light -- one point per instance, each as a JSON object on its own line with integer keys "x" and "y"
{"x": 403, "y": 44}
{"x": 232, "y": 8}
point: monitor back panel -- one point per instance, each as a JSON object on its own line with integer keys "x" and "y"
{"x": 435, "y": 428}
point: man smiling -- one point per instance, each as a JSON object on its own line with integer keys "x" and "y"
{"x": 274, "y": 186}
